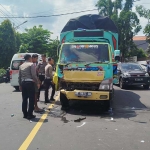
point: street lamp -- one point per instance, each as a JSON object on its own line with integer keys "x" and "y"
{"x": 20, "y": 24}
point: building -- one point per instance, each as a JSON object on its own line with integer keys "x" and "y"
{"x": 140, "y": 42}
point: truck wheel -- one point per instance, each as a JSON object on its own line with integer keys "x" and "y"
{"x": 121, "y": 84}
{"x": 16, "y": 88}
{"x": 107, "y": 105}
{"x": 64, "y": 101}
{"x": 146, "y": 87}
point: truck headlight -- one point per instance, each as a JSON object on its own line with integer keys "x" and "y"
{"x": 106, "y": 84}
{"x": 126, "y": 74}
{"x": 146, "y": 74}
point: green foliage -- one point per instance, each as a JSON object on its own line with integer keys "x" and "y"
{"x": 2, "y": 72}
{"x": 8, "y": 44}
{"x": 139, "y": 52}
{"x": 52, "y": 51}
{"x": 143, "y": 12}
{"x": 35, "y": 40}
{"x": 127, "y": 21}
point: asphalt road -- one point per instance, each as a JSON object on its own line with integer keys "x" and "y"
{"x": 127, "y": 127}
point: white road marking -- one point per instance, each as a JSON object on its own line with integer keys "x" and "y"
{"x": 81, "y": 125}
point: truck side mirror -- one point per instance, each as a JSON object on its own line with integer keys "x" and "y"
{"x": 117, "y": 55}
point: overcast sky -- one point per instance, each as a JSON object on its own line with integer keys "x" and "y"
{"x": 51, "y": 7}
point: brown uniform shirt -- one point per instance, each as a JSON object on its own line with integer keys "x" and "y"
{"x": 41, "y": 67}
{"x": 49, "y": 71}
{"x": 27, "y": 71}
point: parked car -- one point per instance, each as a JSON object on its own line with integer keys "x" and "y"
{"x": 132, "y": 74}
{"x": 144, "y": 67}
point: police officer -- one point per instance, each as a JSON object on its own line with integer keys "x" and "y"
{"x": 41, "y": 72}
{"x": 27, "y": 79}
{"x": 35, "y": 60}
{"x": 49, "y": 80}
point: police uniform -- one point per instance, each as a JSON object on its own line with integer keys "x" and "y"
{"x": 48, "y": 82}
{"x": 27, "y": 80}
{"x": 41, "y": 74}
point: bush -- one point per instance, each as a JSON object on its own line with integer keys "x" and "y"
{"x": 2, "y": 72}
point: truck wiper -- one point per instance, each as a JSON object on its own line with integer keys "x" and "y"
{"x": 95, "y": 62}
{"x": 73, "y": 62}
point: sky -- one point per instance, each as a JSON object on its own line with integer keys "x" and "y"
{"x": 52, "y": 7}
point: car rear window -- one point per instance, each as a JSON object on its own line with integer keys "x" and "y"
{"x": 16, "y": 64}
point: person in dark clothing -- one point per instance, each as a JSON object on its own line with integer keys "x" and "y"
{"x": 27, "y": 80}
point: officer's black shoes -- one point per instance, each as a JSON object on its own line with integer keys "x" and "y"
{"x": 52, "y": 99}
{"x": 25, "y": 116}
{"x": 31, "y": 117}
{"x": 47, "y": 101}
{"x": 67, "y": 108}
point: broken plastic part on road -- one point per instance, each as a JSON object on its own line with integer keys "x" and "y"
{"x": 112, "y": 119}
{"x": 80, "y": 119}
{"x": 12, "y": 115}
{"x": 142, "y": 141}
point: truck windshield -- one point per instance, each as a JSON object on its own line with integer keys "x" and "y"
{"x": 84, "y": 53}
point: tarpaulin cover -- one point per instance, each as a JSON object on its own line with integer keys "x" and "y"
{"x": 90, "y": 21}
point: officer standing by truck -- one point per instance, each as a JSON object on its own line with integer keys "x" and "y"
{"x": 27, "y": 79}
{"x": 49, "y": 80}
{"x": 41, "y": 72}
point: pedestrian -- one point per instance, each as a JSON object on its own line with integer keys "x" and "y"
{"x": 36, "y": 108}
{"x": 41, "y": 72}
{"x": 49, "y": 81}
{"x": 148, "y": 67}
{"x": 27, "y": 80}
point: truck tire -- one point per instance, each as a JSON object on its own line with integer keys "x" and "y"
{"x": 107, "y": 105}
{"x": 64, "y": 101}
{"x": 146, "y": 87}
{"x": 16, "y": 88}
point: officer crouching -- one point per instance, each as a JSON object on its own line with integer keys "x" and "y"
{"x": 27, "y": 79}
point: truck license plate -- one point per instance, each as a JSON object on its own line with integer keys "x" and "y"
{"x": 83, "y": 94}
{"x": 138, "y": 79}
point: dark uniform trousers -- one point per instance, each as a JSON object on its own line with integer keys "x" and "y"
{"x": 28, "y": 91}
{"x": 47, "y": 84}
{"x": 41, "y": 78}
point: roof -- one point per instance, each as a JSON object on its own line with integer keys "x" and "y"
{"x": 139, "y": 38}
{"x": 140, "y": 42}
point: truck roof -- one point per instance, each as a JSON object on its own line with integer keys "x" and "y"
{"x": 90, "y": 21}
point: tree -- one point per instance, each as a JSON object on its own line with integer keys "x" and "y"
{"x": 35, "y": 40}
{"x": 126, "y": 21}
{"x": 143, "y": 12}
{"x": 52, "y": 51}
{"x": 139, "y": 52}
{"x": 7, "y": 43}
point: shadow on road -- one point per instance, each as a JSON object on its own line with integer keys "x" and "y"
{"x": 125, "y": 105}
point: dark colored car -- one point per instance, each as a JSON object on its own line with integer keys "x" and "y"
{"x": 132, "y": 74}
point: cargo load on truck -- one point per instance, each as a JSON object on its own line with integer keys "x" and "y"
{"x": 90, "y": 21}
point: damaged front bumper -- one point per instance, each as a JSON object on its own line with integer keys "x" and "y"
{"x": 87, "y": 95}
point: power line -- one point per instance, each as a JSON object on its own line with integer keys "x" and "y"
{"x": 17, "y": 21}
{"x": 50, "y": 15}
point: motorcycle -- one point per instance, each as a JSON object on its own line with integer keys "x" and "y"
{"x": 5, "y": 79}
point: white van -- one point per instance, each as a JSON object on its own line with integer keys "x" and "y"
{"x": 16, "y": 61}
